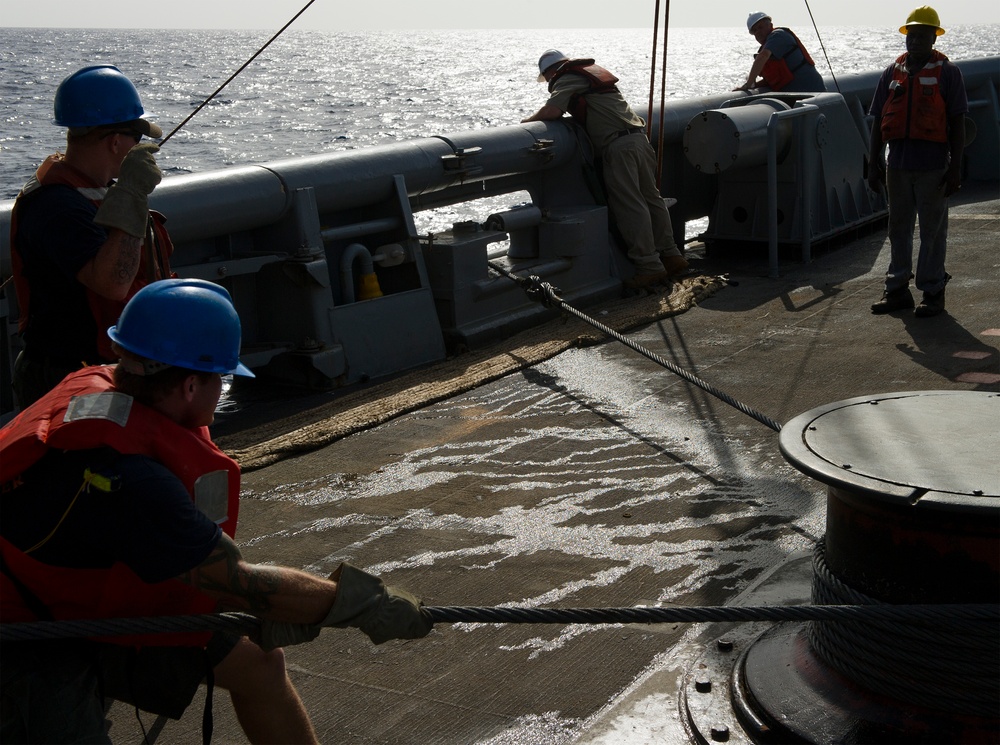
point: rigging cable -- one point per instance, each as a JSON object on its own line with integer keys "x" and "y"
{"x": 233, "y": 76}
{"x": 237, "y": 622}
{"x": 652, "y": 73}
{"x": 823, "y": 47}
{"x": 663, "y": 93}
{"x": 548, "y": 295}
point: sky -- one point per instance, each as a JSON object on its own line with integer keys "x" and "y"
{"x": 337, "y": 15}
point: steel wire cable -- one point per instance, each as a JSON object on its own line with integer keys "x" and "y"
{"x": 548, "y": 295}
{"x": 246, "y": 623}
{"x": 232, "y": 77}
{"x": 822, "y": 46}
{"x": 949, "y": 664}
{"x": 652, "y": 72}
{"x": 828, "y": 589}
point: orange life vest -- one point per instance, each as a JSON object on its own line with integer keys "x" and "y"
{"x": 776, "y": 73}
{"x": 915, "y": 107}
{"x": 84, "y": 411}
{"x": 155, "y": 262}
{"x": 599, "y": 79}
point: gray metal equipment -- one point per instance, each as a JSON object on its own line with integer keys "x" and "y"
{"x": 334, "y": 285}
{"x": 791, "y": 170}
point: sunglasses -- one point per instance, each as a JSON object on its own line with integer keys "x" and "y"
{"x": 137, "y": 136}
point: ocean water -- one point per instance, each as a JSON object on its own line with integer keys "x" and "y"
{"x": 311, "y": 92}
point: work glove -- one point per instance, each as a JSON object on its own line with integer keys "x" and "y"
{"x": 383, "y": 613}
{"x": 126, "y": 205}
{"x": 274, "y": 634}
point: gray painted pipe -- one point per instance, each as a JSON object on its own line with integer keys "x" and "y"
{"x": 232, "y": 199}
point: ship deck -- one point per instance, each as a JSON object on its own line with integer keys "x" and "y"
{"x": 597, "y": 478}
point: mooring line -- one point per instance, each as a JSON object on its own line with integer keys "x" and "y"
{"x": 244, "y": 623}
{"x": 548, "y": 295}
{"x": 232, "y": 77}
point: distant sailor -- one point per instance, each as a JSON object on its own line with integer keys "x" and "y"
{"x": 588, "y": 92}
{"x": 919, "y": 108}
{"x": 782, "y": 62}
{"x": 83, "y": 239}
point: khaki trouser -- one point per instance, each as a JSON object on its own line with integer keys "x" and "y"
{"x": 635, "y": 202}
{"x": 914, "y": 194}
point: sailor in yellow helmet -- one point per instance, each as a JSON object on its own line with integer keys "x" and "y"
{"x": 919, "y": 109}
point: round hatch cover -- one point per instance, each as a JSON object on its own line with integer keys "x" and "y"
{"x": 915, "y": 445}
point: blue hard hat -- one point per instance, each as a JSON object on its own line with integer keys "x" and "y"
{"x": 189, "y": 323}
{"x": 100, "y": 95}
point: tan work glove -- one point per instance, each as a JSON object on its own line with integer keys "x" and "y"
{"x": 364, "y": 602}
{"x": 126, "y": 205}
{"x": 274, "y": 634}
{"x": 383, "y": 613}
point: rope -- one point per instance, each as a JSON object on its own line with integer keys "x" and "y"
{"x": 548, "y": 295}
{"x": 823, "y": 47}
{"x": 713, "y": 614}
{"x": 652, "y": 73}
{"x": 244, "y": 623}
{"x": 949, "y": 664}
{"x": 238, "y": 623}
{"x": 233, "y": 76}
{"x": 663, "y": 94}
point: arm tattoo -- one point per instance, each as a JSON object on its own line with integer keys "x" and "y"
{"x": 127, "y": 261}
{"x": 237, "y": 585}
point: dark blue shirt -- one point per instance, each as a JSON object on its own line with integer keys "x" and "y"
{"x": 805, "y": 77}
{"x": 147, "y": 520}
{"x": 56, "y": 237}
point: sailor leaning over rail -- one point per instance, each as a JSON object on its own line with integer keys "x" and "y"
{"x": 117, "y": 503}
{"x": 628, "y": 163}
{"x": 83, "y": 239}
{"x": 782, "y": 62}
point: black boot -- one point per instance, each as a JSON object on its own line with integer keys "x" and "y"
{"x": 895, "y": 300}
{"x": 931, "y": 305}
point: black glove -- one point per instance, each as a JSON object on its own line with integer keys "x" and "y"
{"x": 383, "y": 613}
{"x": 126, "y": 205}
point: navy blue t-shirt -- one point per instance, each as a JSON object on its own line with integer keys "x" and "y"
{"x": 56, "y": 237}
{"x": 147, "y": 520}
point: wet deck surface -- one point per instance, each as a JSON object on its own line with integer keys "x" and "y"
{"x": 599, "y": 479}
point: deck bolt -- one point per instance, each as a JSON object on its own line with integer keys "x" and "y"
{"x": 724, "y": 645}
{"x": 720, "y": 732}
{"x": 702, "y": 684}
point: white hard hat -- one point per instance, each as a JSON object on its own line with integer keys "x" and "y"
{"x": 546, "y": 61}
{"x": 757, "y": 15}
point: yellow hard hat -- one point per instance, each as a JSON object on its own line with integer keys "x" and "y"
{"x": 925, "y": 15}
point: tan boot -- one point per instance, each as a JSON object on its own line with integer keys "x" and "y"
{"x": 675, "y": 265}
{"x": 645, "y": 279}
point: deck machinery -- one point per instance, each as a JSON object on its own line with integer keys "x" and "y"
{"x": 335, "y": 284}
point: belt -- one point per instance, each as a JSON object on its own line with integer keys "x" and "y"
{"x": 629, "y": 131}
